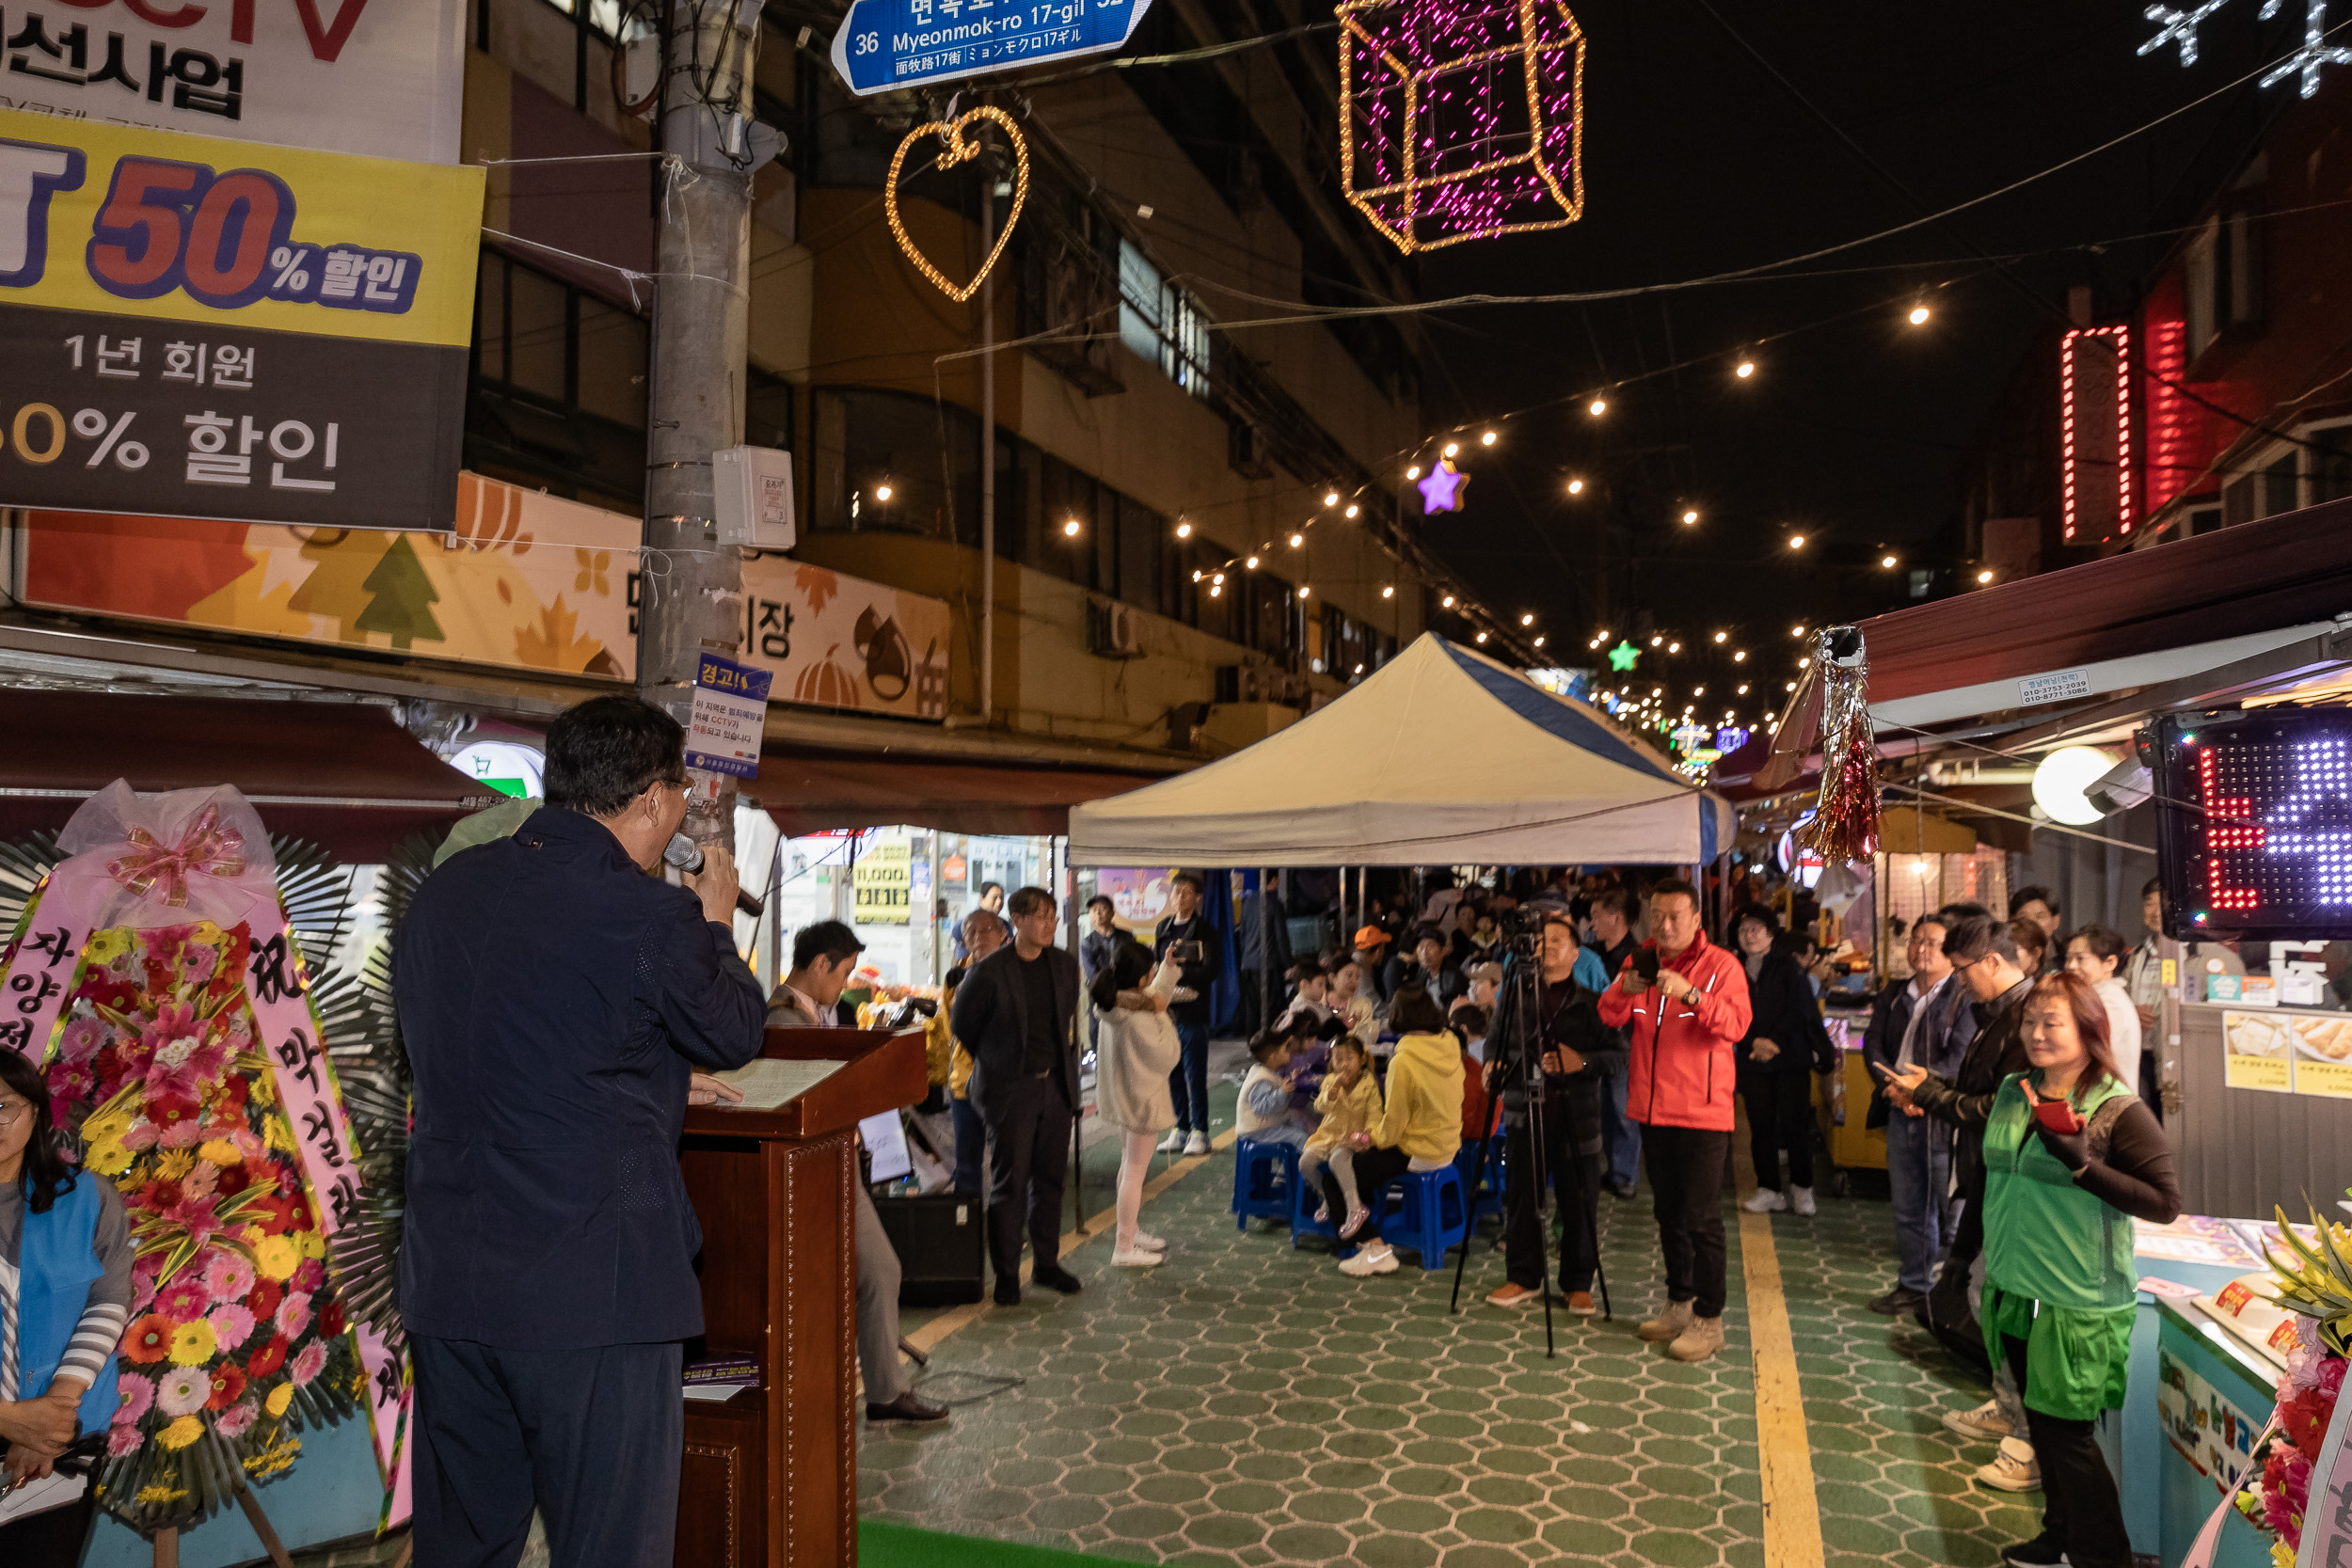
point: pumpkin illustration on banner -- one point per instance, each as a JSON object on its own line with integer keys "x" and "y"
{"x": 827, "y": 682}
{"x": 1461, "y": 119}
{"x": 156, "y": 976}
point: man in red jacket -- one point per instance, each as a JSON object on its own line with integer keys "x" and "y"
{"x": 1685, "y": 1021}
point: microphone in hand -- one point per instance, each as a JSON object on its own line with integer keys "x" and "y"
{"x": 686, "y": 855}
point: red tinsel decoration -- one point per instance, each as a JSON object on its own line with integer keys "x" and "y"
{"x": 1845, "y": 824}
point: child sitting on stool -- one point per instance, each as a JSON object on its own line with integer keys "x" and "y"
{"x": 1263, "y": 1113}
{"x": 1349, "y": 1104}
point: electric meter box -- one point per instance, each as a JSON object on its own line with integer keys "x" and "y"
{"x": 752, "y": 496}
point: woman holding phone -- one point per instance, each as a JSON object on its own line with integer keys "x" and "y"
{"x": 2070, "y": 1153}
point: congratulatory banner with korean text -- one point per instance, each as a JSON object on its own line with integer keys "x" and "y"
{"x": 203, "y": 328}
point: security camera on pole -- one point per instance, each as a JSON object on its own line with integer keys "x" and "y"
{"x": 691, "y": 575}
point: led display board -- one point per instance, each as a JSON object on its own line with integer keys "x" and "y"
{"x": 2254, "y": 823}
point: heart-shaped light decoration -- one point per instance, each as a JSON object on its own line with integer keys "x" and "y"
{"x": 959, "y": 151}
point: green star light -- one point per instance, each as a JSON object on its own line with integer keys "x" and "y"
{"x": 1622, "y": 655}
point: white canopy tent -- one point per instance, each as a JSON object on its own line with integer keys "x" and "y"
{"x": 1444, "y": 757}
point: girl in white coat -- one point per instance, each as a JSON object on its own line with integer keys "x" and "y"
{"x": 1135, "y": 1049}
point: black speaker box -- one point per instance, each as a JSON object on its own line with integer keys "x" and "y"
{"x": 941, "y": 1242}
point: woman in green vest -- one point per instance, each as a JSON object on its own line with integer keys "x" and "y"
{"x": 2071, "y": 1156}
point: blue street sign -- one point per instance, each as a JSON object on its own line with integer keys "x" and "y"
{"x": 886, "y": 44}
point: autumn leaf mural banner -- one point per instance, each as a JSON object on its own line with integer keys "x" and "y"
{"x": 526, "y": 581}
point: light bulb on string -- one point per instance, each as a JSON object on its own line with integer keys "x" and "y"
{"x": 1745, "y": 369}
{"x": 1919, "y": 315}
{"x": 1453, "y": 449}
{"x": 1447, "y": 602}
{"x": 1723, "y": 636}
{"x": 1353, "y": 510}
{"x": 1527, "y": 620}
{"x": 1674, "y": 647}
{"x": 1331, "y": 497}
{"x": 1796, "y": 541}
{"x": 1486, "y": 440}
{"x": 1482, "y": 636}
{"x": 1302, "y": 590}
{"x": 1691, "y": 516}
{"x": 1297, "y": 540}
{"x": 1575, "y": 487}
{"x": 1070, "y": 528}
{"x": 1743, "y": 690}
{"x": 1984, "y": 577}
{"x": 1387, "y": 591}
{"x": 1656, "y": 641}
{"x": 1598, "y": 408}
{"x": 1796, "y": 631}
{"x": 1740, "y": 657}
{"x": 1184, "y": 530}
{"x": 1413, "y": 472}
{"x": 882, "y": 492}
{"x": 1539, "y": 641}
{"x": 1251, "y": 564}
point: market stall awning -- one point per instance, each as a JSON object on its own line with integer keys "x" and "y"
{"x": 2133, "y": 620}
{"x": 344, "y": 775}
{"x": 808, "y": 792}
{"x": 1443, "y": 757}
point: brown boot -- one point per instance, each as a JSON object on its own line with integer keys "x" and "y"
{"x": 1699, "y": 1341}
{"x": 1669, "y": 1323}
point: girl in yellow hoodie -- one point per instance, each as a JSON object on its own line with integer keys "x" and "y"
{"x": 1349, "y": 1104}
{"x": 1420, "y": 1124}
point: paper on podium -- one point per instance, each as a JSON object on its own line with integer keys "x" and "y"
{"x": 768, "y": 1083}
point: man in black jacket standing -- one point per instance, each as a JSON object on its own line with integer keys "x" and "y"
{"x": 1016, "y": 1013}
{"x": 1201, "y": 960}
{"x": 1925, "y": 1020}
{"x": 1578, "y": 1054}
{"x": 555, "y": 1001}
{"x": 1613, "y": 942}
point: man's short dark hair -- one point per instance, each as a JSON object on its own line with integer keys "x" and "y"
{"x": 1103, "y": 900}
{"x": 1470, "y": 1018}
{"x": 1198, "y": 886}
{"x": 1969, "y": 939}
{"x": 1030, "y": 900}
{"x": 1668, "y": 885}
{"x": 829, "y": 939}
{"x": 1951, "y": 915}
{"x": 606, "y": 751}
{"x": 1616, "y": 900}
{"x": 1306, "y": 969}
{"x": 1428, "y": 931}
{"x": 2154, "y": 884}
{"x": 2024, "y": 895}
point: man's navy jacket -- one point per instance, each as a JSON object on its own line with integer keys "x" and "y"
{"x": 554, "y": 999}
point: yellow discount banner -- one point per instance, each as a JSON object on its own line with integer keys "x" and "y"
{"x": 208, "y": 328}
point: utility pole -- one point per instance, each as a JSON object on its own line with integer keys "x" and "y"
{"x": 690, "y": 584}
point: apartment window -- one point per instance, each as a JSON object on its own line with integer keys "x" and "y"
{"x": 1162, "y": 324}
{"x": 558, "y": 385}
{"x": 2222, "y": 278}
{"x": 2199, "y": 519}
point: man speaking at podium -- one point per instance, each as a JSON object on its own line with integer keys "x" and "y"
{"x": 555, "y": 1001}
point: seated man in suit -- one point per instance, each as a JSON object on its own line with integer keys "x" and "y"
{"x": 555, "y": 1000}
{"x": 823, "y": 956}
{"x": 1016, "y": 1012}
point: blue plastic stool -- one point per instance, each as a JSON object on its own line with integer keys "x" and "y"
{"x": 1429, "y": 1217}
{"x": 1264, "y": 1178}
{"x": 1488, "y": 1152}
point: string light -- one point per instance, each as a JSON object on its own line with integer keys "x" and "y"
{"x": 1331, "y": 497}
{"x": 1600, "y": 637}
{"x": 1070, "y": 528}
{"x": 1387, "y": 591}
{"x": 1887, "y": 562}
{"x": 2306, "y": 60}
{"x": 1747, "y": 369}
{"x": 1984, "y": 577}
{"x": 1442, "y": 490}
{"x": 1184, "y": 530}
{"x": 1598, "y": 407}
{"x": 1447, "y": 602}
{"x": 1723, "y": 636}
{"x": 1297, "y": 539}
{"x": 1741, "y": 657}
{"x": 1796, "y": 541}
{"x": 1486, "y": 438}
{"x": 1433, "y": 164}
{"x": 1690, "y": 516}
{"x": 1655, "y": 641}
{"x": 1743, "y": 690}
{"x": 1539, "y": 641}
{"x": 1352, "y": 510}
{"x": 1796, "y": 630}
{"x": 1674, "y": 647}
{"x": 958, "y": 150}
{"x": 1215, "y": 591}
{"x": 1919, "y": 315}
{"x": 1251, "y": 564}
{"x": 1413, "y": 472}
{"x": 1482, "y": 636}
{"x": 1302, "y": 590}
{"x": 882, "y": 492}
{"x": 1528, "y": 619}
{"x": 1575, "y": 487}
{"x": 1453, "y": 449}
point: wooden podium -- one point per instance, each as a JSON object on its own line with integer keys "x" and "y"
{"x": 770, "y": 1479}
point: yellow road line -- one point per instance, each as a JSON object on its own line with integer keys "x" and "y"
{"x": 1793, "y": 1517}
{"x": 931, "y": 1333}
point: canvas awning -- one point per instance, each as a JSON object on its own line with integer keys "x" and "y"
{"x": 344, "y": 775}
{"x": 811, "y": 791}
{"x": 1442, "y": 757}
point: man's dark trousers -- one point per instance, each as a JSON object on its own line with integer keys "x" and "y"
{"x": 1029, "y": 1151}
{"x": 592, "y": 1435}
{"x": 1686, "y": 1168}
{"x": 1576, "y": 1184}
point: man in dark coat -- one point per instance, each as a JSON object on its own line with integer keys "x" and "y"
{"x": 1923, "y": 1020}
{"x": 1611, "y": 940}
{"x": 555, "y": 1001}
{"x": 1016, "y": 1013}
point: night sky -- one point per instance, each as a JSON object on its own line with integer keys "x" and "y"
{"x": 1851, "y": 429}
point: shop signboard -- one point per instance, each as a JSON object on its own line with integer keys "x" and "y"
{"x": 383, "y": 77}
{"x": 1139, "y": 895}
{"x": 526, "y": 581}
{"x": 728, "y": 718}
{"x": 885, "y": 45}
{"x": 881, "y": 883}
{"x": 198, "y": 327}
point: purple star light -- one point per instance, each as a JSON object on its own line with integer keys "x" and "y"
{"x": 1442, "y": 490}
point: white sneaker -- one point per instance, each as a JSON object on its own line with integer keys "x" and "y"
{"x": 1196, "y": 1144}
{"x": 1377, "y": 1259}
{"x": 1173, "y": 1142}
{"x": 1985, "y": 1424}
{"x": 1149, "y": 1243}
{"x": 1136, "y": 1257}
{"x": 1801, "y": 1199}
{"x": 2014, "y": 1469}
{"x": 1764, "y": 1201}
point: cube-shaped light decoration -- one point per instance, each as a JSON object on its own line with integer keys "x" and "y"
{"x": 1460, "y": 119}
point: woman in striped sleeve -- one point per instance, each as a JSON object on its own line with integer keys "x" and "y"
{"x": 65, "y": 1295}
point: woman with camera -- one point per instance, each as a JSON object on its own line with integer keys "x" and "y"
{"x": 1135, "y": 1050}
{"x": 65, "y": 1289}
{"x": 2071, "y": 1156}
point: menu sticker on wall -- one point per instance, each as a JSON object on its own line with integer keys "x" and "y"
{"x": 2323, "y": 1057}
{"x": 2257, "y": 1053}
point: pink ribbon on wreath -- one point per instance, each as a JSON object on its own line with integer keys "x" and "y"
{"x": 208, "y": 848}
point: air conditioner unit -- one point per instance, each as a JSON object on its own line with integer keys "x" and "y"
{"x": 1262, "y": 683}
{"x": 1114, "y": 630}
